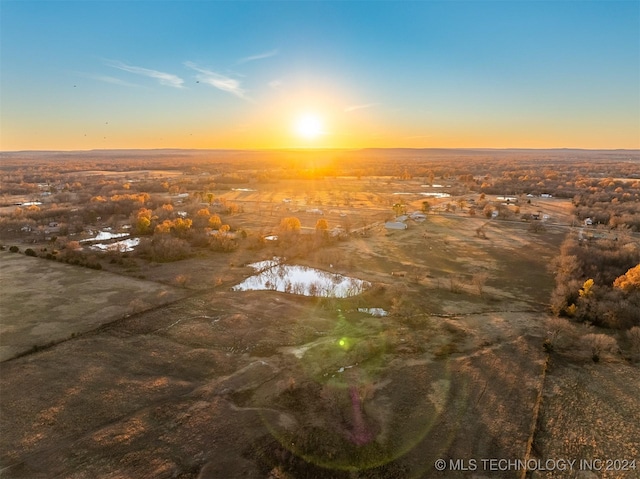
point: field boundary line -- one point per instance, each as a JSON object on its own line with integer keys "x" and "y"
{"x": 536, "y": 414}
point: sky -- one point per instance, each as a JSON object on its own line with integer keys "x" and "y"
{"x": 77, "y": 75}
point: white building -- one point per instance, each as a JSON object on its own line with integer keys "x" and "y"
{"x": 395, "y": 225}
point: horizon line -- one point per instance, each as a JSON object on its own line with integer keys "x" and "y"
{"x": 319, "y": 149}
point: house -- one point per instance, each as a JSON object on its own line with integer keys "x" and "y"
{"x": 395, "y": 225}
{"x": 588, "y": 222}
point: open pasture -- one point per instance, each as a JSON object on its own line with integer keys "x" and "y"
{"x": 45, "y": 301}
{"x": 253, "y": 384}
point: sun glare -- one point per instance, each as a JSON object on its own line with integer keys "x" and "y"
{"x": 309, "y": 127}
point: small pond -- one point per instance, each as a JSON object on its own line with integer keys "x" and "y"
{"x": 120, "y": 246}
{"x": 378, "y": 312}
{"x": 105, "y": 235}
{"x": 303, "y": 280}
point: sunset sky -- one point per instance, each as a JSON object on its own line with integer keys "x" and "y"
{"x": 277, "y": 74}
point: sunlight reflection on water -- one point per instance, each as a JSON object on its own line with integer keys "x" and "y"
{"x": 301, "y": 280}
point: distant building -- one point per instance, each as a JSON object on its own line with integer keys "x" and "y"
{"x": 588, "y": 222}
{"x": 395, "y": 225}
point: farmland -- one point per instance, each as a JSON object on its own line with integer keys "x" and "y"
{"x": 149, "y": 366}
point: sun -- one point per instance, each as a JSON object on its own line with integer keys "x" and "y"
{"x": 309, "y": 127}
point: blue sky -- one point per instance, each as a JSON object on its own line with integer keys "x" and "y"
{"x": 215, "y": 74}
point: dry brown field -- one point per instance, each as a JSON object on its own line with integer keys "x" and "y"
{"x": 45, "y": 301}
{"x": 226, "y": 384}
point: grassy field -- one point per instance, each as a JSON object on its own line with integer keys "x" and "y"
{"x": 44, "y": 301}
{"x": 271, "y": 385}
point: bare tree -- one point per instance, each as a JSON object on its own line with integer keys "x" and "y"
{"x": 455, "y": 285}
{"x": 479, "y": 280}
{"x": 634, "y": 338}
{"x": 598, "y": 344}
{"x": 558, "y": 330}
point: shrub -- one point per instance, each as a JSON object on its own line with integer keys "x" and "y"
{"x": 598, "y": 344}
{"x": 634, "y": 338}
{"x": 164, "y": 248}
{"x": 14, "y": 249}
{"x": 30, "y": 252}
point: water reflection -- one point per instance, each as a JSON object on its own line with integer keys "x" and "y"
{"x": 301, "y": 280}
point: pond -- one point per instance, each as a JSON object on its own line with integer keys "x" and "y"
{"x": 302, "y": 280}
{"x": 377, "y": 312}
{"x": 105, "y": 235}
{"x": 119, "y": 246}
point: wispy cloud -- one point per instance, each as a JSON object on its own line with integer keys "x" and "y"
{"x": 259, "y": 56}
{"x": 359, "y": 107}
{"x": 218, "y": 81}
{"x": 109, "y": 79}
{"x": 275, "y": 84}
{"x": 167, "y": 79}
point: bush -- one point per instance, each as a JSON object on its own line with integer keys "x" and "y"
{"x": 30, "y": 252}
{"x": 634, "y": 339}
{"x": 164, "y": 248}
{"x": 14, "y": 249}
{"x": 598, "y": 344}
